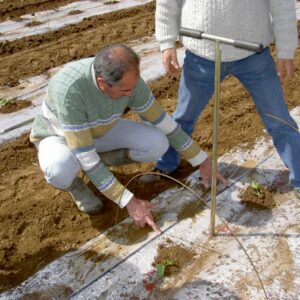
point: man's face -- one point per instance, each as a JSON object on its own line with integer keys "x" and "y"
{"x": 124, "y": 87}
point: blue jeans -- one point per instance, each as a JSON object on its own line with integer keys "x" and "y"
{"x": 259, "y": 75}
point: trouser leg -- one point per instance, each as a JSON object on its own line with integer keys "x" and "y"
{"x": 130, "y": 141}
{"x": 126, "y": 142}
{"x": 259, "y": 75}
{"x": 58, "y": 163}
{"x": 195, "y": 90}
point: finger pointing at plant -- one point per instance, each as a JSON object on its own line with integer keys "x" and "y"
{"x": 140, "y": 212}
{"x": 206, "y": 173}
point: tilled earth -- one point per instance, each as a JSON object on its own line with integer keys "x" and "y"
{"x": 36, "y": 54}
{"x": 39, "y": 223}
{"x": 14, "y": 9}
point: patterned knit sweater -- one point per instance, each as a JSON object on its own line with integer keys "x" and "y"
{"x": 75, "y": 108}
{"x": 261, "y": 21}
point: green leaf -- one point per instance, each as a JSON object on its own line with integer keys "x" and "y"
{"x": 255, "y": 185}
{"x": 256, "y": 189}
{"x": 160, "y": 270}
{"x": 4, "y": 102}
{"x": 169, "y": 262}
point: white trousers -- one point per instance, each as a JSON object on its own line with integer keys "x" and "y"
{"x": 60, "y": 166}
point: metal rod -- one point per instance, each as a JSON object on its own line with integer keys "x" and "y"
{"x": 215, "y": 136}
{"x": 197, "y": 34}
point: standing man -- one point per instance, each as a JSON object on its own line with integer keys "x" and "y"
{"x": 261, "y": 21}
{"x": 80, "y": 128}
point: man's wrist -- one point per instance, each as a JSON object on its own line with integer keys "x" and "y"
{"x": 198, "y": 159}
{"x": 167, "y": 45}
{"x": 125, "y": 198}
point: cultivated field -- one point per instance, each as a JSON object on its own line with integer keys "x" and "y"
{"x": 38, "y": 223}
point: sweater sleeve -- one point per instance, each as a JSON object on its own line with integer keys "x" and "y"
{"x": 167, "y": 22}
{"x": 149, "y": 109}
{"x": 285, "y": 27}
{"x": 77, "y": 131}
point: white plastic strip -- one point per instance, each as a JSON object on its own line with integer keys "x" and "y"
{"x": 55, "y": 19}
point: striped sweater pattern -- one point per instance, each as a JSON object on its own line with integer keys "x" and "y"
{"x": 76, "y": 109}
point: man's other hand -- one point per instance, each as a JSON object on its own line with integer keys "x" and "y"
{"x": 170, "y": 61}
{"x": 206, "y": 173}
{"x": 285, "y": 68}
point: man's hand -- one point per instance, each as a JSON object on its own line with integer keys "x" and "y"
{"x": 170, "y": 61}
{"x": 139, "y": 210}
{"x": 285, "y": 68}
{"x": 206, "y": 172}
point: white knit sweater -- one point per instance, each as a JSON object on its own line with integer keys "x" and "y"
{"x": 261, "y": 21}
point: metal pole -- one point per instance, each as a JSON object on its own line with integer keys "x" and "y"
{"x": 215, "y": 136}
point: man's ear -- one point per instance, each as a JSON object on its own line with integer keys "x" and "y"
{"x": 101, "y": 83}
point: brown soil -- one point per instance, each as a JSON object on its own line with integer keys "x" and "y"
{"x": 34, "y": 23}
{"x": 179, "y": 256}
{"x": 39, "y": 223}
{"x": 171, "y": 259}
{"x": 36, "y": 54}
{"x": 108, "y": 2}
{"x": 14, "y": 9}
{"x": 14, "y": 105}
{"x": 75, "y": 12}
{"x": 265, "y": 199}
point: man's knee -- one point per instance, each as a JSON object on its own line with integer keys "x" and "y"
{"x": 60, "y": 175}
{"x": 59, "y": 165}
{"x": 158, "y": 146}
{"x": 151, "y": 147}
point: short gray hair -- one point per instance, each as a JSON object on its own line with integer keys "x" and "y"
{"x": 112, "y": 62}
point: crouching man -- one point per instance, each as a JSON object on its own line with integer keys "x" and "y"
{"x": 80, "y": 128}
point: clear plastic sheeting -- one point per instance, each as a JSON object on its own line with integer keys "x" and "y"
{"x": 53, "y": 19}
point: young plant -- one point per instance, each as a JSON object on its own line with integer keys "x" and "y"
{"x": 4, "y": 102}
{"x": 160, "y": 268}
{"x": 257, "y": 189}
{"x": 35, "y": 21}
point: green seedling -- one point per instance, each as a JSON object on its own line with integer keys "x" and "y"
{"x": 4, "y": 102}
{"x": 160, "y": 268}
{"x": 256, "y": 189}
{"x": 34, "y": 22}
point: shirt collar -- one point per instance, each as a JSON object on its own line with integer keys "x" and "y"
{"x": 94, "y": 76}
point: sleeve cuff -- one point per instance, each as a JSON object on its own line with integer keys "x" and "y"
{"x": 198, "y": 159}
{"x": 286, "y": 54}
{"x": 124, "y": 198}
{"x": 167, "y": 45}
